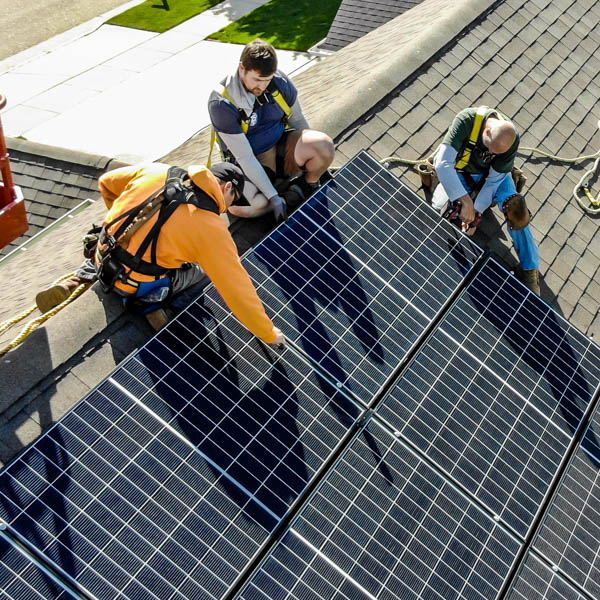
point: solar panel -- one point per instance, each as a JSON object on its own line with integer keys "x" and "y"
{"x": 209, "y": 463}
{"x": 537, "y": 581}
{"x": 168, "y": 479}
{"x": 496, "y": 393}
{"x": 357, "y": 275}
{"x": 384, "y": 524}
{"x": 22, "y": 579}
{"x": 269, "y": 420}
{"x": 391, "y": 230}
{"x": 570, "y": 535}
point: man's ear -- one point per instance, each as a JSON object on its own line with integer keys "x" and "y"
{"x": 227, "y": 187}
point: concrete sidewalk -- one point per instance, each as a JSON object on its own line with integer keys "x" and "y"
{"x": 130, "y": 94}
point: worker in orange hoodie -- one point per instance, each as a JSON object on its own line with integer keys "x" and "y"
{"x": 192, "y": 241}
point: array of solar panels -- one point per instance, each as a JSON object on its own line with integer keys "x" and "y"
{"x": 428, "y": 433}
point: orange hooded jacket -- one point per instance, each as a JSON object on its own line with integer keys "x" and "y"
{"x": 190, "y": 235}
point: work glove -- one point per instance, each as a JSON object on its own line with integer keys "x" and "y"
{"x": 277, "y": 204}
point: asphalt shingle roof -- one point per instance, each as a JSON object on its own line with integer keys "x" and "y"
{"x": 53, "y": 182}
{"x": 354, "y": 18}
{"x": 538, "y": 63}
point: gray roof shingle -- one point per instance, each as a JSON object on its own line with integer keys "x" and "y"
{"x": 355, "y": 18}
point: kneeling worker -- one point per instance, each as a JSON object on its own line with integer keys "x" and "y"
{"x": 260, "y": 126}
{"x": 170, "y": 244}
{"x": 475, "y": 160}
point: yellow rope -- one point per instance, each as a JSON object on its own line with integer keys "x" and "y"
{"x": 35, "y": 323}
{"x": 558, "y": 158}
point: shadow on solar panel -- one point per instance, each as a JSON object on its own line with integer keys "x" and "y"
{"x": 534, "y": 350}
{"x": 267, "y": 420}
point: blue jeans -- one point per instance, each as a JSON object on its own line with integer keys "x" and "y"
{"x": 525, "y": 244}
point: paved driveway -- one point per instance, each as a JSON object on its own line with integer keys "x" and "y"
{"x": 26, "y": 23}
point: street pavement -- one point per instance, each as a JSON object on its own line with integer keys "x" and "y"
{"x": 26, "y": 23}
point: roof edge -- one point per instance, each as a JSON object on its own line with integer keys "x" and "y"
{"x": 63, "y": 154}
{"x": 341, "y": 89}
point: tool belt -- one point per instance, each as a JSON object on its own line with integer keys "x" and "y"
{"x": 430, "y": 180}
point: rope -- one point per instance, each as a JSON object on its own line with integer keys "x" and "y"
{"x": 404, "y": 161}
{"x": 525, "y": 150}
{"x": 35, "y": 323}
{"x": 593, "y": 206}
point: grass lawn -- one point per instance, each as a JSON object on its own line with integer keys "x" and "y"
{"x": 287, "y": 24}
{"x": 153, "y": 15}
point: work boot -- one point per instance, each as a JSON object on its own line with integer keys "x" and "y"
{"x": 531, "y": 278}
{"x": 157, "y": 318}
{"x": 53, "y": 296}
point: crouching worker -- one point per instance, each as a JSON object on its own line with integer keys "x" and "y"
{"x": 475, "y": 161}
{"x": 162, "y": 233}
{"x": 260, "y": 126}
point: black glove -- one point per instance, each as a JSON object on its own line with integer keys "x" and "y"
{"x": 277, "y": 204}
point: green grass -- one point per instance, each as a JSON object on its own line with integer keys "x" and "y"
{"x": 152, "y": 15}
{"x": 287, "y": 24}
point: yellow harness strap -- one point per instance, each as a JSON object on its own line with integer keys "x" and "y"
{"x": 285, "y": 107}
{"x": 245, "y": 123}
{"x": 466, "y": 155}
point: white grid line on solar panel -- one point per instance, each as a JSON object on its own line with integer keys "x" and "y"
{"x": 443, "y": 357}
{"x": 299, "y": 588}
{"x": 422, "y": 243}
{"x": 570, "y": 534}
{"x": 240, "y": 534}
{"x": 461, "y": 403}
{"x": 340, "y": 488}
{"x": 549, "y": 332}
{"x": 536, "y": 581}
{"x": 209, "y": 460}
{"x": 368, "y": 308}
{"x": 322, "y": 441}
{"x": 405, "y": 271}
{"x": 385, "y": 222}
{"x": 450, "y": 533}
{"x": 210, "y": 296}
{"x": 21, "y": 579}
{"x": 309, "y": 582}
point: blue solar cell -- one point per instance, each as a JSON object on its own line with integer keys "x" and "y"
{"x": 383, "y": 524}
{"x": 570, "y": 534}
{"x": 22, "y": 579}
{"x": 479, "y": 400}
{"x": 357, "y": 274}
{"x": 144, "y": 497}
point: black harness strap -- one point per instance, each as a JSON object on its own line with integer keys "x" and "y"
{"x": 175, "y": 193}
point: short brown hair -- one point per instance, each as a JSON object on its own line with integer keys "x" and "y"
{"x": 259, "y": 56}
{"x": 516, "y": 211}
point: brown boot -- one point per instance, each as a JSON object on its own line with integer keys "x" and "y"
{"x": 157, "y": 318}
{"x": 53, "y": 296}
{"x": 531, "y": 278}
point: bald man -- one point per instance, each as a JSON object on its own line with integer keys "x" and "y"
{"x": 475, "y": 173}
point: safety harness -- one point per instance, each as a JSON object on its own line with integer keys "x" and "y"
{"x": 463, "y": 161}
{"x": 244, "y": 119}
{"x": 114, "y": 262}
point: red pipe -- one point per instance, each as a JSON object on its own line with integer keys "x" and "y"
{"x": 8, "y": 193}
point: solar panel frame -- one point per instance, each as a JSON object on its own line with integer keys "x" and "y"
{"x": 454, "y": 402}
{"x": 23, "y": 579}
{"x": 371, "y": 530}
